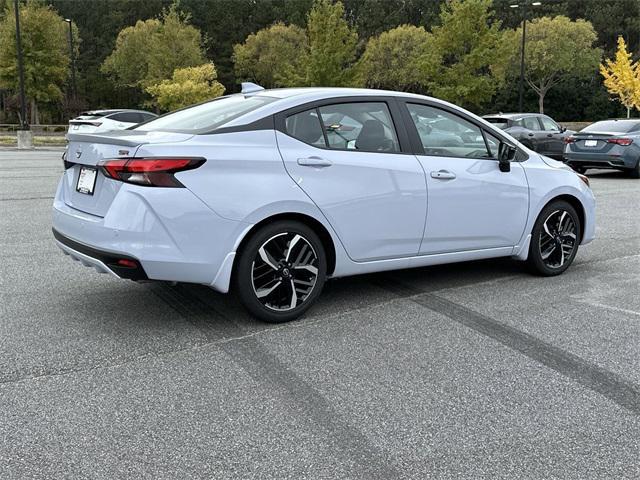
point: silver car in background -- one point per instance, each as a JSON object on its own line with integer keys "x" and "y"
{"x": 95, "y": 121}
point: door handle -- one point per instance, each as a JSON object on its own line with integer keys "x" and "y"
{"x": 314, "y": 162}
{"x": 443, "y": 175}
{"x": 531, "y": 134}
{"x": 549, "y": 134}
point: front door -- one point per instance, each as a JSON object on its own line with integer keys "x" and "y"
{"x": 347, "y": 159}
{"x": 472, "y": 205}
{"x": 553, "y": 139}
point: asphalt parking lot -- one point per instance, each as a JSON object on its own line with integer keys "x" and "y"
{"x": 462, "y": 371}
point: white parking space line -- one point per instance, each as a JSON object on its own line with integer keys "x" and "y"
{"x": 609, "y": 307}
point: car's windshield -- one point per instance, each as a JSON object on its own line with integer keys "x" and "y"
{"x": 206, "y": 116}
{"x": 615, "y": 126}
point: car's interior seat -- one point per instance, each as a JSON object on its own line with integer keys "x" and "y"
{"x": 372, "y": 137}
{"x": 308, "y": 129}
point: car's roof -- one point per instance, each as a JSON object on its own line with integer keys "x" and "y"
{"x": 322, "y": 92}
{"x": 511, "y": 115}
{"x": 115, "y": 110}
{"x": 292, "y": 97}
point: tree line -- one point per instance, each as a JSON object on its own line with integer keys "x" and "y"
{"x": 162, "y": 54}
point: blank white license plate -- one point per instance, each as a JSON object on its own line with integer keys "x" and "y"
{"x": 590, "y": 143}
{"x": 86, "y": 180}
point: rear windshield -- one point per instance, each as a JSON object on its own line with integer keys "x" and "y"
{"x": 208, "y": 116}
{"x": 499, "y": 122}
{"x": 615, "y": 126}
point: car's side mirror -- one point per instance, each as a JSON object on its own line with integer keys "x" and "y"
{"x": 563, "y": 129}
{"x": 506, "y": 153}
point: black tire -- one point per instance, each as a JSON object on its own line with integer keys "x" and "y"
{"x": 635, "y": 172}
{"x": 292, "y": 282}
{"x": 549, "y": 252}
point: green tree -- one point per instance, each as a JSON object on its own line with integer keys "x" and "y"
{"x": 271, "y": 56}
{"x": 332, "y": 47}
{"x": 187, "y": 86}
{"x": 45, "y": 50}
{"x": 400, "y": 59}
{"x": 556, "y": 49}
{"x": 151, "y": 50}
{"x": 622, "y": 77}
{"x": 472, "y": 53}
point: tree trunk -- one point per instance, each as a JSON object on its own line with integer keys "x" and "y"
{"x": 541, "y": 102}
{"x": 628, "y": 112}
{"x": 35, "y": 115}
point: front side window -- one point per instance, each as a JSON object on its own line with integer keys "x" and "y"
{"x": 363, "y": 126}
{"x": 446, "y": 134}
{"x": 207, "y": 116}
{"x": 493, "y": 143}
{"x": 305, "y": 126}
{"x": 549, "y": 125}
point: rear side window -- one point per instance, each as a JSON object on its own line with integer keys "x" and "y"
{"x": 306, "y": 127}
{"x": 127, "y": 117}
{"x": 501, "y": 123}
{"x": 364, "y": 126}
{"x": 531, "y": 123}
{"x": 208, "y": 116}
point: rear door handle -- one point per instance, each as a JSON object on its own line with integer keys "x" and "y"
{"x": 549, "y": 134}
{"x": 314, "y": 162}
{"x": 443, "y": 175}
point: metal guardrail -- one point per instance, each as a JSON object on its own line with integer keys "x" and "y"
{"x": 42, "y": 129}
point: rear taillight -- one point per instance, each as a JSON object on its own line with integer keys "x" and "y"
{"x": 570, "y": 139}
{"x": 620, "y": 141}
{"x": 151, "y": 172}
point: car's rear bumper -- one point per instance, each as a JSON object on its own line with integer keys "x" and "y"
{"x": 171, "y": 233}
{"x": 120, "y": 265}
{"x": 587, "y": 160}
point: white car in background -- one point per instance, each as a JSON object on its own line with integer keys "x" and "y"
{"x": 94, "y": 121}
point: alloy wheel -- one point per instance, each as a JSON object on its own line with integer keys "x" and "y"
{"x": 558, "y": 239}
{"x": 284, "y": 271}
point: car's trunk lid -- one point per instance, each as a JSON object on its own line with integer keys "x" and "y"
{"x": 593, "y": 142}
{"x": 95, "y": 193}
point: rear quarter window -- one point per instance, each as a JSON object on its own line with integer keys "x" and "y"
{"x": 205, "y": 117}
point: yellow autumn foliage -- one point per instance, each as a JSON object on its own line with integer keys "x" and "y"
{"x": 622, "y": 77}
{"x": 187, "y": 86}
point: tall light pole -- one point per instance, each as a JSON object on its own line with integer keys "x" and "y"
{"x": 524, "y": 5}
{"x": 23, "y": 99}
{"x": 74, "y": 91}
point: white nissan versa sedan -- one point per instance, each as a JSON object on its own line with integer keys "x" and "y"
{"x": 271, "y": 192}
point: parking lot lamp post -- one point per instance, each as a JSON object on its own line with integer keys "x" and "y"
{"x": 24, "y": 134}
{"x": 74, "y": 92}
{"x": 524, "y": 30}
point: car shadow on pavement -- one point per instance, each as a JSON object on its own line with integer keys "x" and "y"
{"x": 220, "y": 316}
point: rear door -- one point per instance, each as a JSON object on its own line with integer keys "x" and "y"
{"x": 472, "y": 205}
{"x": 352, "y": 160}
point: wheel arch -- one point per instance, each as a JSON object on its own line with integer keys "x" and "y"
{"x": 576, "y": 204}
{"x": 315, "y": 225}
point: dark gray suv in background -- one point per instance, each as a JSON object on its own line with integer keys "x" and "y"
{"x": 534, "y": 130}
